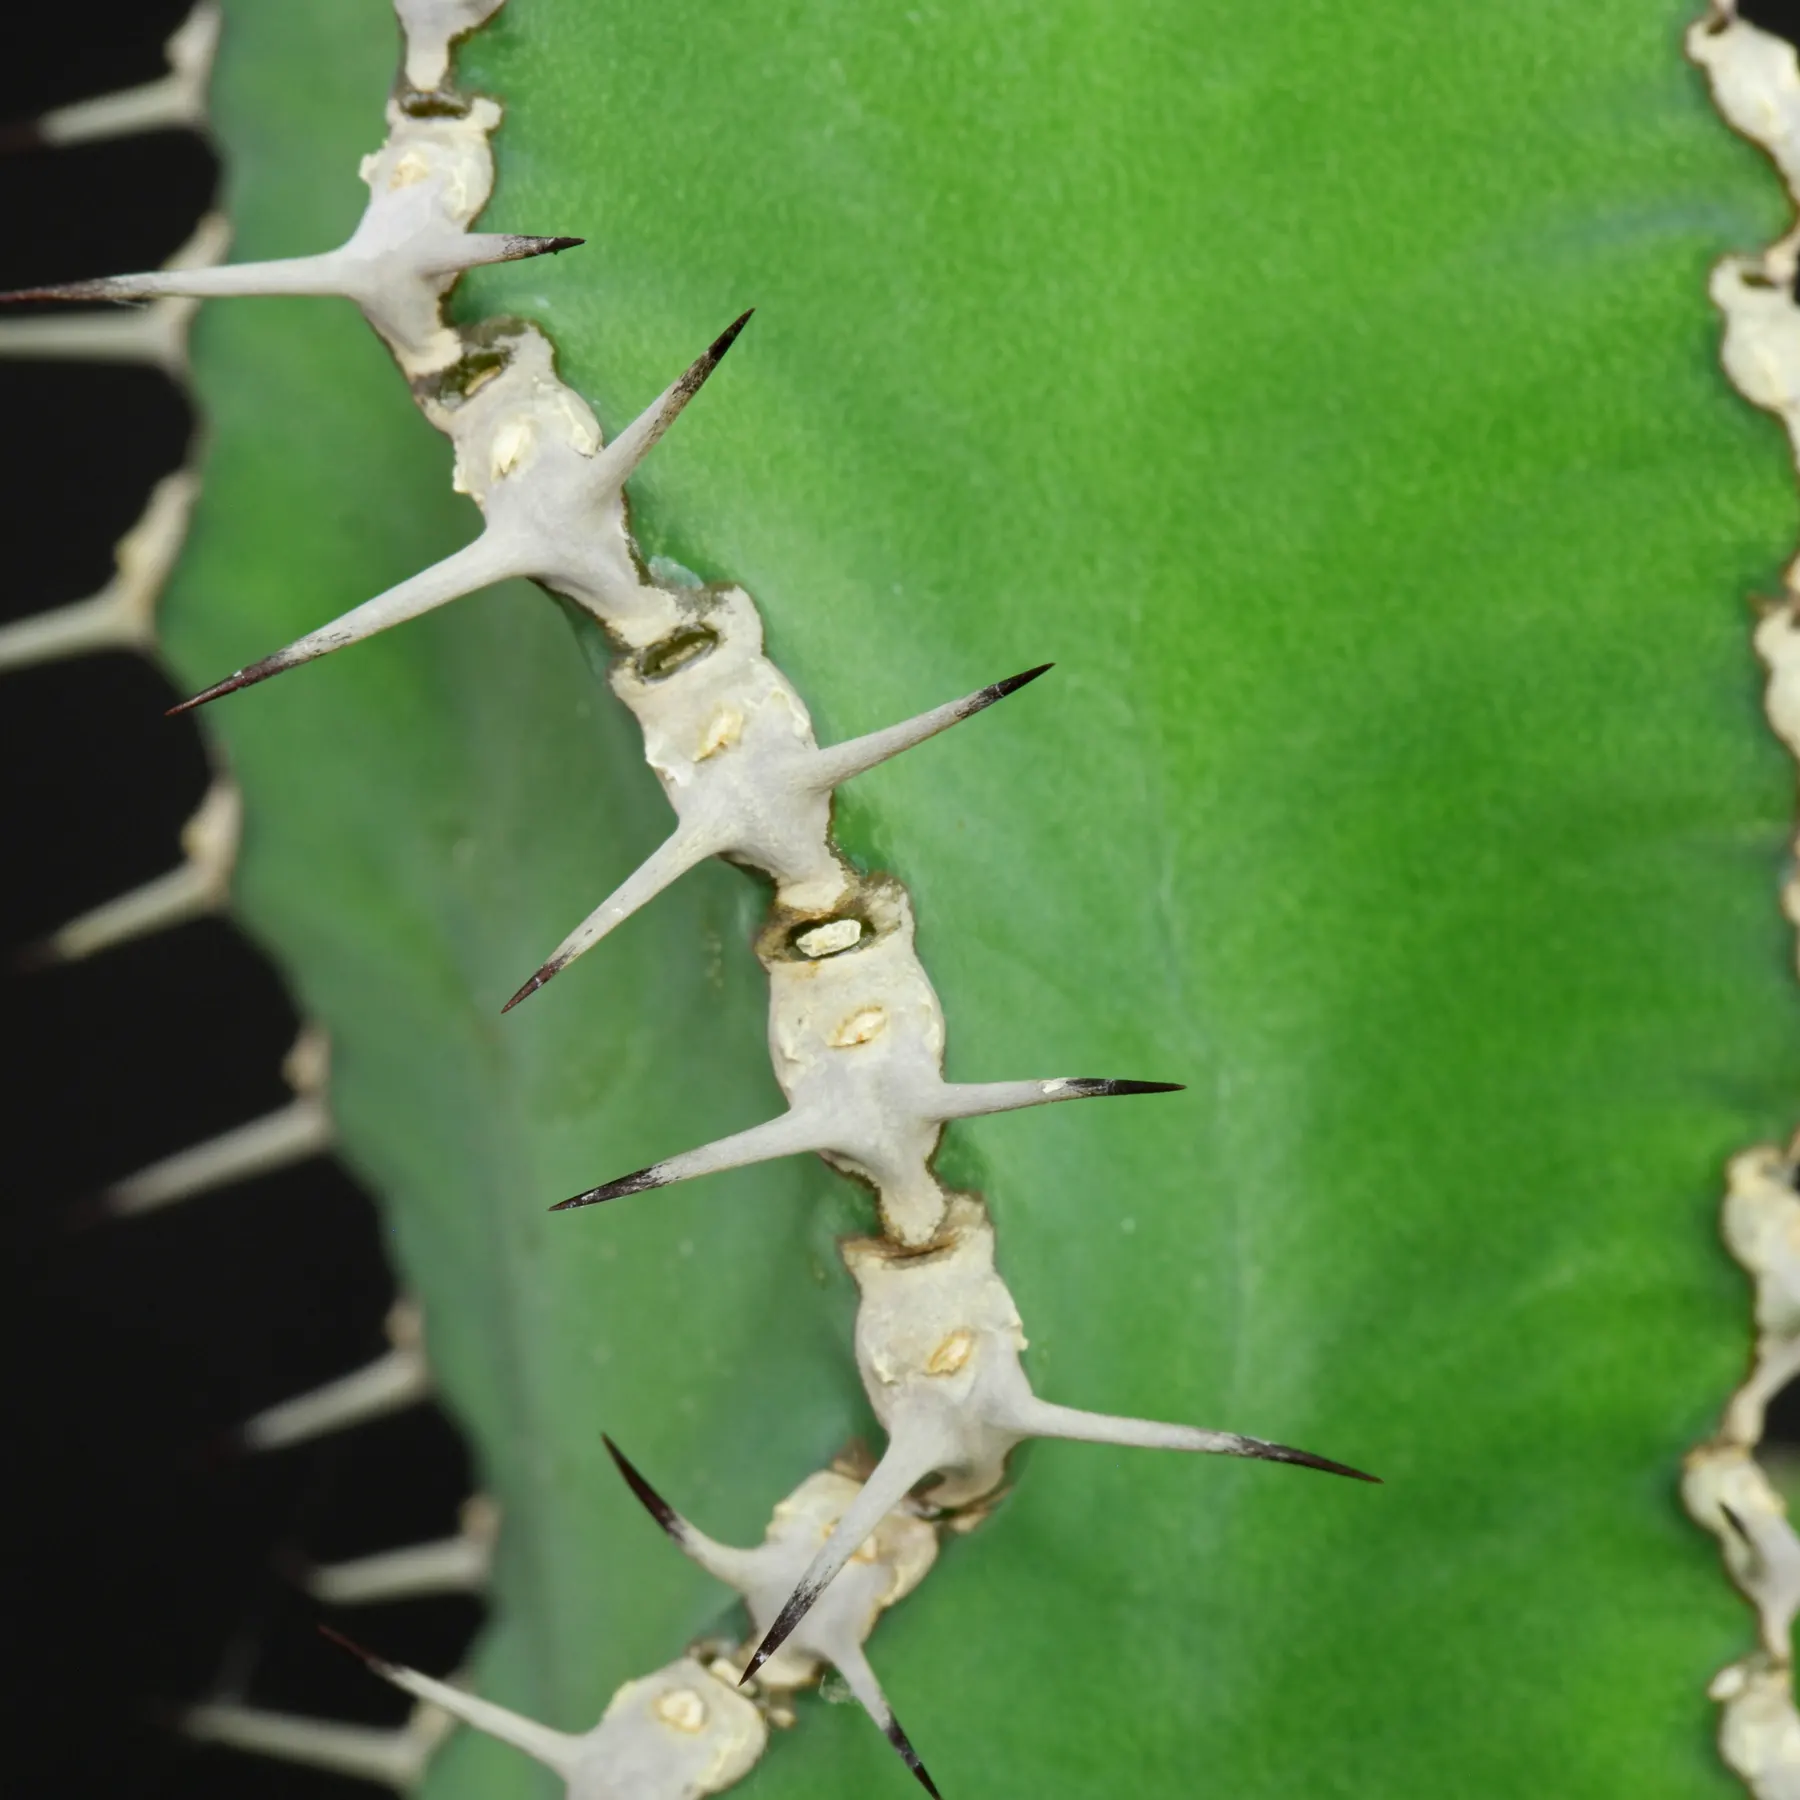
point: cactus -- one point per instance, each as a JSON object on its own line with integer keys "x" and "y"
{"x": 1338, "y": 414}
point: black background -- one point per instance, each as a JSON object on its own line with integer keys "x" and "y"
{"x": 143, "y": 1564}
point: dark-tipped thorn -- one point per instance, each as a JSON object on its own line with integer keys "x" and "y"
{"x": 998, "y": 690}
{"x": 248, "y": 677}
{"x": 350, "y": 1647}
{"x": 531, "y": 987}
{"x": 715, "y": 351}
{"x": 21, "y": 134}
{"x": 1737, "y": 1524}
{"x": 1304, "y": 1459}
{"x": 519, "y": 247}
{"x": 910, "y": 1756}
{"x": 800, "y": 1603}
{"x": 1099, "y": 1087}
{"x": 654, "y": 1504}
{"x": 634, "y": 1183}
{"x": 66, "y": 290}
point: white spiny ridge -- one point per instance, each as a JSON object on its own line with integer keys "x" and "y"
{"x": 888, "y": 1564}
{"x": 395, "y": 1758}
{"x": 395, "y": 1380}
{"x": 122, "y": 616}
{"x": 1755, "y": 80}
{"x": 175, "y": 101}
{"x": 156, "y": 334}
{"x": 674, "y": 1735}
{"x": 938, "y": 1343}
{"x": 460, "y": 1564}
{"x": 291, "y": 1134}
{"x": 199, "y": 885}
{"x": 855, "y": 1028}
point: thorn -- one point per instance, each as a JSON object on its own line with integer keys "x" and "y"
{"x": 246, "y": 677}
{"x": 398, "y": 1379}
{"x": 154, "y": 334}
{"x": 664, "y": 865}
{"x": 787, "y": 1134}
{"x": 1735, "y": 1521}
{"x": 798, "y": 1606}
{"x": 489, "y": 558}
{"x": 530, "y": 988}
{"x": 654, "y": 1504}
{"x": 451, "y": 1565}
{"x": 716, "y": 349}
{"x": 545, "y": 246}
{"x": 1304, "y": 1459}
{"x": 636, "y": 1183}
{"x": 198, "y": 885}
{"x": 836, "y": 763}
{"x": 394, "y": 1758}
{"x": 350, "y": 1647}
{"x": 278, "y": 1140}
{"x": 910, "y": 1756}
{"x": 122, "y": 615}
{"x": 636, "y": 441}
{"x": 177, "y": 99}
{"x": 103, "y": 287}
{"x": 973, "y": 1099}
{"x": 1000, "y": 689}
{"x": 1098, "y": 1087}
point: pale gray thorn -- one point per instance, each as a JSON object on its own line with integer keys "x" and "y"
{"x": 478, "y": 249}
{"x": 859, "y": 1677}
{"x": 396, "y": 1758}
{"x": 558, "y": 1750}
{"x": 392, "y": 1382}
{"x": 837, "y": 763}
{"x": 453, "y": 1565}
{"x": 972, "y": 1099}
{"x": 915, "y": 1448}
{"x": 1025, "y": 1415}
{"x": 342, "y": 273}
{"x": 666, "y": 864}
{"x": 492, "y": 557}
{"x": 173, "y": 101}
{"x": 201, "y": 885}
{"x": 1044, "y": 1418}
{"x": 122, "y": 616}
{"x": 291, "y": 1134}
{"x": 614, "y": 465}
{"x": 792, "y": 1134}
{"x": 330, "y": 273}
{"x": 736, "y": 1568}
{"x": 156, "y": 334}
{"x": 721, "y": 1561}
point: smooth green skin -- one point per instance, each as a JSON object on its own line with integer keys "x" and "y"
{"x": 1332, "y": 393}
